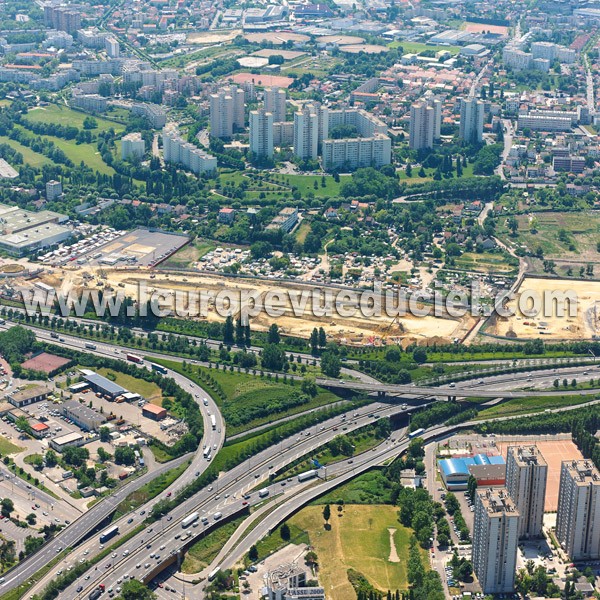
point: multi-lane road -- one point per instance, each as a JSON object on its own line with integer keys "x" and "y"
{"x": 225, "y": 495}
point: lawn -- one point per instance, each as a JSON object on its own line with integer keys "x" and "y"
{"x": 86, "y": 153}
{"x": 306, "y": 183}
{"x": 150, "y": 391}
{"x": 149, "y": 490}
{"x": 29, "y": 156}
{"x": 520, "y": 406}
{"x": 543, "y": 231}
{"x": 63, "y": 115}
{"x": 418, "y": 47}
{"x": 302, "y": 232}
{"x": 203, "y": 552}
{"x": 273, "y": 542}
{"x": 486, "y": 263}
{"x": 246, "y": 393}
{"x": 7, "y": 447}
{"x": 358, "y": 539}
{"x": 188, "y": 255}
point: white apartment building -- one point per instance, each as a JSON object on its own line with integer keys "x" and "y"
{"x": 495, "y": 540}
{"x": 526, "y": 476}
{"x": 543, "y": 122}
{"x": 578, "y": 516}
{"x": 227, "y": 111}
{"x": 261, "y": 133}
{"x": 421, "y": 126}
{"x": 177, "y": 150}
{"x": 472, "y": 112}
{"x": 306, "y": 132}
{"x": 275, "y": 102}
{"x": 132, "y": 144}
{"x": 354, "y": 153}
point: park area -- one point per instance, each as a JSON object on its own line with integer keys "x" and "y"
{"x": 368, "y": 539}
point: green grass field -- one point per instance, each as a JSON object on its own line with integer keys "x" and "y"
{"x": 358, "y": 539}
{"x": 582, "y": 230}
{"x": 520, "y": 406}
{"x": 485, "y": 263}
{"x": 417, "y": 47}
{"x": 29, "y": 156}
{"x": 147, "y": 389}
{"x": 7, "y": 447}
{"x": 88, "y": 153}
{"x": 245, "y": 392}
{"x": 188, "y": 255}
{"x": 63, "y": 115}
{"x": 203, "y": 552}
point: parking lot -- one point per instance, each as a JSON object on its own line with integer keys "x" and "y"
{"x": 140, "y": 247}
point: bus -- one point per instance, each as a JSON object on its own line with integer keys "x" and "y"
{"x": 415, "y": 433}
{"x": 213, "y": 574}
{"x": 158, "y": 368}
{"x": 109, "y": 533}
{"x": 90, "y": 346}
{"x": 207, "y": 452}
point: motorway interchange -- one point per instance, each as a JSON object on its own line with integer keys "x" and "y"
{"x": 163, "y": 543}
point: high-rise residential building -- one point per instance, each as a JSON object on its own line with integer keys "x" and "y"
{"x": 472, "y": 112}
{"x": 62, "y": 18}
{"x": 495, "y": 540}
{"x": 227, "y": 108}
{"x": 275, "y": 103}
{"x": 354, "y": 153}
{"x": 176, "y": 150}
{"x": 306, "y": 132}
{"x": 53, "y": 190}
{"x": 526, "y": 475}
{"x": 422, "y": 126}
{"x": 111, "y": 45}
{"x": 132, "y": 144}
{"x": 578, "y": 516}
{"x": 261, "y": 133}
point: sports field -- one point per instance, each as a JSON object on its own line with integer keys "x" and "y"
{"x": 359, "y": 539}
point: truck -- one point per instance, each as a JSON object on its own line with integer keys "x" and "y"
{"x": 263, "y": 493}
{"x": 213, "y": 421}
{"x": 206, "y": 453}
{"x": 192, "y": 518}
{"x": 158, "y": 368}
{"x": 95, "y": 594}
{"x": 123, "y": 475}
{"x": 90, "y": 346}
{"x": 213, "y": 574}
{"x": 109, "y": 533}
{"x": 54, "y": 335}
{"x": 415, "y": 433}
{"x": 307, "y": 475}
{"x": 134, "y": 358}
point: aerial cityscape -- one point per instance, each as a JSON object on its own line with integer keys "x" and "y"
{"x": 299, "y": 301}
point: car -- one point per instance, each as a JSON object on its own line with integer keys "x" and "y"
{"x": 168, "y": 494}
{"x": 87, "y": 577}
{"x": 114, "y": 555}
{"x": 79, "y": 588}
{"x": 350, "y": 461}
{"x": 107, "y": 566}
{"x": 87, "y": 551}
{"x": 130, "y": 520}
{"x": 162, "y": 547}
{"x": 244, "y": 503}
{"x": 142, "y": 512}
{"x": 169, "y": 518}
{"x": 197, "y": 473}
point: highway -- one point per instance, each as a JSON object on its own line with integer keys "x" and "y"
{"x": 225, "y": 496}
{"x": 85, "y": 523}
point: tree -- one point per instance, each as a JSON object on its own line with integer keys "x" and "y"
{"x": 51, "y": 459}
{"x": 136, "y": 590}
{"x": 273, "y": 336}
{"x": 311, "y": 558}
{"x": 228, "y": 331}
{"x": 420, "y": 355}
{"x": 327, "y": 513}
{"x": 75, "y": 456}
{"x": 103, "y": 455}
{"x": 330, "y": 364}
{"x": 104, "y": 434}
{"x": 253, "y": 553}
{"x": 314, "y": 342}
{"x": 37, "y": 461}
{"x": 7, "y": 506}
{"x": 32, "y": 544}
{"x": 273, "y": 357}
{"x": 309, "y": 387}
{"x": 284, "y": 531}
{"x": 124, "y": 455}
